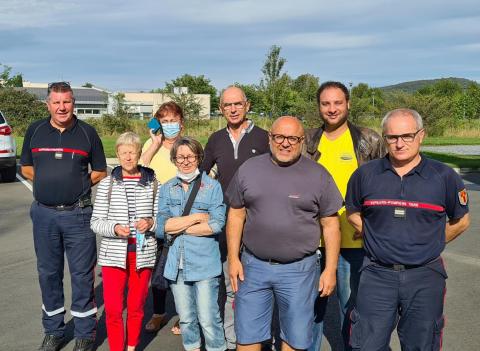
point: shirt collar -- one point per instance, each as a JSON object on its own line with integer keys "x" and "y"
{"x": 420, "y": 169}
{"x": 246, "y": 130}
{"x": 69, "y": 129}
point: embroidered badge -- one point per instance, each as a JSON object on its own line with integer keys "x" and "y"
{"x": 346, "y": 157}
{"x": 463, "y": 197}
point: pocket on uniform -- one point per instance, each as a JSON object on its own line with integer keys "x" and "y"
{"x": 438, "y": 333}
{"x": 355, "y": 331}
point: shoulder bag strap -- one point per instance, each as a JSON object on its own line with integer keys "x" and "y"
{"x": 188, "y": 205}
{"x": 192, "y": 196}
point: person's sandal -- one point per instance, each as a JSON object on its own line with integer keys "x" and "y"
{"x": 176, "y": 328}
{"x": 156, "y": 323}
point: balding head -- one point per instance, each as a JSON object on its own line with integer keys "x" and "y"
{"x": 234, "y": 106}
{"x": 286, "y": 140}
{"x": 290, "y": 121}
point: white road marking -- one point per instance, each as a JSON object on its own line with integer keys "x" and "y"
{"x": 462, "y": 258}
{"x": 25, "y": 182}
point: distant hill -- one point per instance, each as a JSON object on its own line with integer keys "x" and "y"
{"x": 413, "y": 86}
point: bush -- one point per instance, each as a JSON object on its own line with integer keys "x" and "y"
{"x": 21, "y": 108}
{"x": 110, "y": 124}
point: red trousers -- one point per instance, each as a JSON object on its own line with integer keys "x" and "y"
{"x": 114, "y": 281}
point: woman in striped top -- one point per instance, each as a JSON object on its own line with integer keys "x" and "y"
{"x": 124, "y": 215}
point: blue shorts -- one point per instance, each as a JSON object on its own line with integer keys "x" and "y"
{"x": 294, "y": 286}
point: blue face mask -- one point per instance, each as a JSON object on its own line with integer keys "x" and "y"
{"x": 171, "y": 130}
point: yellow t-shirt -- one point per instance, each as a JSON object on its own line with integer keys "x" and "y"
{"x": 161, "y": 164}
{"x": 338, "y": 157}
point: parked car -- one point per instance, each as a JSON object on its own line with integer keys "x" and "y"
{"x": 8, "y": 151}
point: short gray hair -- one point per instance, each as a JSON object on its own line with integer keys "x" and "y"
{"x": 129, "y": 138}
{"x": 192, "y": 144}
{"x": 403, "y": 111}
{"x": 232, "y": 86}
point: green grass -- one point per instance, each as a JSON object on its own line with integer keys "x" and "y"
{"x": 457, "y": 161}
{"x": 434, "y": 141}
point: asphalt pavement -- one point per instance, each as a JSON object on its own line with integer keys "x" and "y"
{"x": 20, "y": 302}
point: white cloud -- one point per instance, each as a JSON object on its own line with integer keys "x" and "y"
{"x": 329, "y": 40}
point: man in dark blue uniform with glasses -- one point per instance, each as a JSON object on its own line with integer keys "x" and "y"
{"x": 56, "y": 156}
{"x": 407, "y": 207}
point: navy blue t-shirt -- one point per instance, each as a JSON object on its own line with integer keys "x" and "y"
{"x": 61, "y": 160}
{"x": 405, "y": 217}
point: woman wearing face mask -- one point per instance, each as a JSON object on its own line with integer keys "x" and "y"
{"x": 156, "y": 155}
{"x": 193, "y": 265}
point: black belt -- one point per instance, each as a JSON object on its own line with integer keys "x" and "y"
{"x": 61, "y": 207}
{"x": 272, "y": 261}
{"x": 398, "y": 267}
{"x": 80, "y": 203}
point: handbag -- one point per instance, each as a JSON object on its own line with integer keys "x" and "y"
{"x": 158, "y": 280}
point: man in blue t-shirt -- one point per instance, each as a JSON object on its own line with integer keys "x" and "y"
{"x": 400, "y": 203}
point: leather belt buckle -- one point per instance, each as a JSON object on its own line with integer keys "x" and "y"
{"x": 60, "y": 208}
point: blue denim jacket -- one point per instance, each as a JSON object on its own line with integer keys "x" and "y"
{"x": 201, "y": 254}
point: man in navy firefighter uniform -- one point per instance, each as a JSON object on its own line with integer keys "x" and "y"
{"x": 56, "y": 156}
{"x": 407, "y": 207}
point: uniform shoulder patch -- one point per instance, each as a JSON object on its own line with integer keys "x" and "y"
{"x": 463, "y": 197}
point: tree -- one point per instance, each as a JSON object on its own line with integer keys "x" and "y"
{"x": 191, "y": 107}
{"x": 87, "y": 85}
{"x": 306, "y": 85}
{"x": 444, "y": 88}
{"x": 6, "y": 80}
{"x": 271, "y": 83}
{"x": 254, "y": 95}
{"x": 196, "y": 85}
{"x": 21, "y": 108}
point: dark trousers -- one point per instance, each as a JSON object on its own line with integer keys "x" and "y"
{"x": 159, "y": 296}
{"x": 411, "y": 299}
{"x": 56, "y": 233}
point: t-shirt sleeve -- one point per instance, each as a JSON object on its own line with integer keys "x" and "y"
{"x": 98, "y": 161}
{"x": 456, "y": 197}
{"x": 331, "y": 200}
{"x": 26, "y": 158}
{"x": 234, "y": 194}
{"x": 353, "y": 198}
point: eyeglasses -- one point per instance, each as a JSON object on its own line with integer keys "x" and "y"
{"x": 292, "y": 140}
{"x": 239, "y": 105}
{"x": 59, "y": 86}
{"x": 181, "y": 159}
{"x": 407, "y": 137}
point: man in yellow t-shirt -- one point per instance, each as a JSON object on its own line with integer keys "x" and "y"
{"x": 341, "y": 147}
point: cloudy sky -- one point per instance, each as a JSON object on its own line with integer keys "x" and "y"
{"x": 139, "y": 45}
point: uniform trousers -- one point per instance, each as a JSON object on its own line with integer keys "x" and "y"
{"x": 410, "y": 299}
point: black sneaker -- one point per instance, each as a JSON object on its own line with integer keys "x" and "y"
{"x": 51, "y": 343}
{"x": 84, "y": 345}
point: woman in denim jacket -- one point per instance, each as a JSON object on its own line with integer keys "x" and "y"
{"x": 193, "y": 264}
